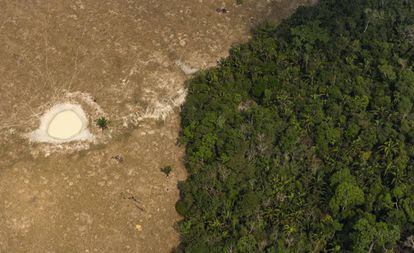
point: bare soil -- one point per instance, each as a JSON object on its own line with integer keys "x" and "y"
{"x": 132, "y": 59}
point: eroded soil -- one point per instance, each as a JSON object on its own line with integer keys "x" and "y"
{"x": 132, "y": 59}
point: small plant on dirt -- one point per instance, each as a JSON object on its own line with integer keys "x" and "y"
{"x": 239, "y": 2}
{"x": 102, "y": 123}
{"x": 166, "y": 170}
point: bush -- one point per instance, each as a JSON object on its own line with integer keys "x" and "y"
{"x": 166, "y": 170}
{"x": 102, "y": 123}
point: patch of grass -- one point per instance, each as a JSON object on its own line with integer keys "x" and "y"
{"x": 102, "y": 123}
{"x": 166, "y": 170}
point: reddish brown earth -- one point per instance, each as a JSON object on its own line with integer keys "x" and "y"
{"x": 131, "y": 58}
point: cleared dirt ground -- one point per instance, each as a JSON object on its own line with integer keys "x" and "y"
{"x": 127, "y": 60}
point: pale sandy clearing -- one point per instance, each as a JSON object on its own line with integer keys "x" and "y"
{"x": 62, "y": 123}
{"x": 65, "y": 125}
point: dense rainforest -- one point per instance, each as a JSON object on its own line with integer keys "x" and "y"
{"x": 302, "y": 140}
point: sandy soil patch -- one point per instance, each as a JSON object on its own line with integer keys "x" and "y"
{"x": 63, "y": 123}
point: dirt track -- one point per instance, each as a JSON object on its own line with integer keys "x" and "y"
{"x": 130, "y": 58}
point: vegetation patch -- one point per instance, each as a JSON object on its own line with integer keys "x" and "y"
{"x": 102, "y": 123}
{"x": 302, "y": 140}
{"x": 166, "y": 170}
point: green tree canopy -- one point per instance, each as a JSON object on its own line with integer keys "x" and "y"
{"x": 302, "y": 140}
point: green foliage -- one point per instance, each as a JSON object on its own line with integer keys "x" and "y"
{"x": 102, "y": 123}
{"x": 302, "y": 140}
{"x": 347, "y": 196}
{"x": 372, "y": 236}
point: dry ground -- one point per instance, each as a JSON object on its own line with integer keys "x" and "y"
{"x": 130, "y": 57}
